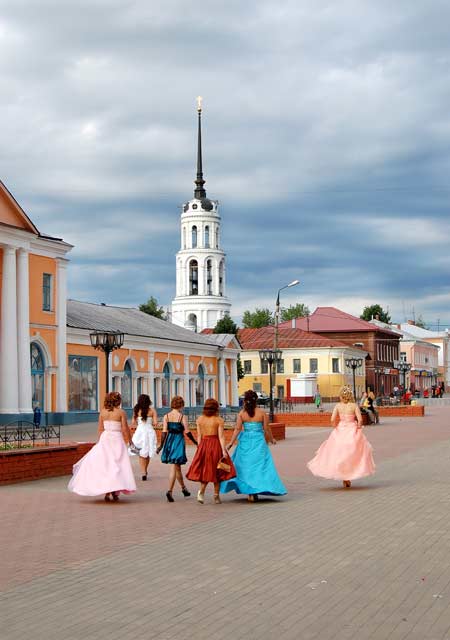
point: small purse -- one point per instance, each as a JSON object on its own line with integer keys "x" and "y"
{"x": 223, "y": 466}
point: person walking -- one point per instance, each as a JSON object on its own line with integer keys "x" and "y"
{"x": 172, "y": 445}
{"x": 371, "y": 406}
{"x": 346, "y": 455}
{"x": 144, "y": 439}
{"x": 211, "y": 456}
{"x": 255, "y": 469}
{"x": 317, "y": 399}
{"x": 106, "y": 468}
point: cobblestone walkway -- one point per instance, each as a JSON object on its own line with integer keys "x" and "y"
{"x": 322, "y": 563}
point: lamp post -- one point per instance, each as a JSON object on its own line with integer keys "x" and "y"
{"x": 107, "y": 341}
{"x": 403, "y": 367}
{"x": 353, "y": 363}
{"x": 272, "y": 357}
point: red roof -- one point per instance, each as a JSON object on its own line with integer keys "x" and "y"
{"x": 287, "y": 339}
{"x": 332, "y": 319}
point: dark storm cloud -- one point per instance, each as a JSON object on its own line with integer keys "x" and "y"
{"x": 326, "y": 140}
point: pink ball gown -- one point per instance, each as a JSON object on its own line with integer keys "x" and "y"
{"x": 345, "y": 455}
{"x": 106, "y": 467}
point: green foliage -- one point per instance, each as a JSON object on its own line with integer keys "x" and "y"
{"x": 152, "y": 309}
{"x": 299, "y": 310}
{"x": 371, "y": 313}
{"x": 258, "y": 318}
{"x": 240, "y": 368}
{"x": 420, "y": 322}
{"x": 226, "y": 325}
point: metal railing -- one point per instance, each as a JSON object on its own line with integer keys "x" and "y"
{"x": 25, "y": 434}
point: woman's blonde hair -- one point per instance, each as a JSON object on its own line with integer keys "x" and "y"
{"x": 346, "y": 394}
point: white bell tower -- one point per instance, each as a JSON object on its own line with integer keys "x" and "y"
{"x": 200, "y": 299}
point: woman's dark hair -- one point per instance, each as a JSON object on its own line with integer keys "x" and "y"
{"x": 112, "y": 400}
{"x": 143, "y": 405}
{"x": 177, "y": 402}
{"x": 250, "y": 400}
{"x": 211, "y": 407}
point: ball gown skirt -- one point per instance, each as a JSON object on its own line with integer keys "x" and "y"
{"x": 145, "y": 438}
{"x": 255, "y": 469}
{"x": 174, "y": 449}
{"x": 204, "y": 464}
{"x": 345, "y": 455}
{"x": 106, "y": 467}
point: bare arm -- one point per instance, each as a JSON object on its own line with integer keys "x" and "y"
{"x": 125, "y": 428}
{"x": 154, "y": 418}
{"x": 358, "y": 416}
{"x": 267, "y": 430}
{"x": 335, "y": 416}
{"x": 101, "y": 426}
{"x": 199, "y": 431}
{"x": 237, "y": 430}
{"x": 221, "y": 435}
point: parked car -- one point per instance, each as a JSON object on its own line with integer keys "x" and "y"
{"x": 263, "y": 399}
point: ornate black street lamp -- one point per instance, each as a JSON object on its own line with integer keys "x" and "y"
{"x": 403, "y": 367}
{"x": 107, "y": 341}
{"x": 272, "y": 357}
{"x": 353, "y": 364}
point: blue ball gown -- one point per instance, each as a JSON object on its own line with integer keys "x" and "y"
{"x": 255, "y": 469}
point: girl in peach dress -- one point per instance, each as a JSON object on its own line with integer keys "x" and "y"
{"x": 106, "y": 468}
{"x": 346, "y": 454}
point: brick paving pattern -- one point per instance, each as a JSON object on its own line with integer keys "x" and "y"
{"x": 322, "y": 563}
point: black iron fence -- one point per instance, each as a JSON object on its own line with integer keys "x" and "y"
{"x": 24, "y": 434}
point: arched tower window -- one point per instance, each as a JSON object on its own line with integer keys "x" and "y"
{"x": 127, "y": 386}
{"x": 192, "y": 322}
{"x": 194, "y": 237}
{"x": 207, "y": 237}
{"x": 184, "y": 237}
{"x": 217, "y": 237}
{"x": 37, "y": 376}
{"x": 166, "y": 386}
{"x": 209, "y": 278}
{"x": 200, "y": 386}
{"x": 193, "y": 278}
{"x": 221, "y": 278}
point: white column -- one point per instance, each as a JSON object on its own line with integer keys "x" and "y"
{"x": 222, "y": 384}
{"x": 201, "y": 277}
{"x": 23, "y": 332}
{"x": 61, "y": 320}
{"x": 187, "y": 400}
{"x": 151, "y": 377}
{"x": 9, "y": 376}
{"x": 234, "y": 384}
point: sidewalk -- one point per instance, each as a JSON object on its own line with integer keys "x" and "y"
{"x": 322, "y": 563}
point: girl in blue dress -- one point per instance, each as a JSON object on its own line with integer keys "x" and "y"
{"x": 255, "y": 469}
{"x": 173, "y": 446}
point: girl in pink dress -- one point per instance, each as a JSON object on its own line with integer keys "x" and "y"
{"x": 106, "y": 468}
{"x": 346, "y": 454}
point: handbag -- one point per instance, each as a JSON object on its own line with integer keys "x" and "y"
{"x": 133, "y": 449}
{"x": 223, "y": 466}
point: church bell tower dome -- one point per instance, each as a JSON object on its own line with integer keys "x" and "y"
{"x": 200, "y": 299}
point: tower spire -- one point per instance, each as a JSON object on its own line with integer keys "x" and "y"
{"x": 199, "y": 191}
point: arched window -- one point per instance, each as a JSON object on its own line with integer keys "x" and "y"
{"x": 207, "y": 237}
{"x": 165, "y": 389}
{"x": 209, "y": 279}
{"x": 200, "y": 386}
{"x": 184, "y": 237}
{"x": 37, "y": 376}
{"x": 193, "y": 278}
{"x": 221, "y": 279}
{"x": 217, "y": 237}
{"x": 127, "y": 386}
{"x": 192, "y": 322}
{"x": 194, "y": 236}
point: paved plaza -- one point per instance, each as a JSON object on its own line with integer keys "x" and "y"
{"x": 321, "y": 563}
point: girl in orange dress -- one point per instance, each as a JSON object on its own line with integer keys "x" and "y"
{"x": 211, "y": 449}
{"x": 346, "y": 454}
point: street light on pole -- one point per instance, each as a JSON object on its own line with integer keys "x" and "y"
{"x": 272, "y": 357}
{"x": 403, "y": 367}
{"x": 353, "y": 364}
{"x": 107, "y": 341}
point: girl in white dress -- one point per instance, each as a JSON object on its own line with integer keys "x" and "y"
{"x": 145, "y": 419}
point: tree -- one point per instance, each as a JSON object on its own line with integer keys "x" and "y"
{"x": 371, "y": 313}
{"x": 299, "y": 310}
{"x": 258, "y": 318}
{"x": 226, "y": 325}
{"x": 240, "y": 368}
{"x": 152, "y": 309}
{"x": 420, "y": 322}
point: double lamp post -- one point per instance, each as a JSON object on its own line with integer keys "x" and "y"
{"x": 107, "y": 341}
{"x": 274, "y": 356}
{"x": 353, "y": 364}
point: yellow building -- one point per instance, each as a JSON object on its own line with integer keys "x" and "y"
{"x": 309, "y": 361}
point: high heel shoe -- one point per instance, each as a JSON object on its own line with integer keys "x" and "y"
{"x": 169, "y": 496}
{"x": 185, "y": 492}
{"x": 144, "y": 477}
{"x": 347, "y": 484}
{"x": 217, "y": 499}
{"x": 115, "y": 496}
{"x": 200, "y": 497}
{"x": 107, "y": 497}
{"x": 251, "y": 498}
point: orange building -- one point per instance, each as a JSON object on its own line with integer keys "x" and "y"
{"x": 46, "y": 358}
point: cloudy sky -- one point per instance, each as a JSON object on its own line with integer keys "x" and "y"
{"x": 326, "y": 141}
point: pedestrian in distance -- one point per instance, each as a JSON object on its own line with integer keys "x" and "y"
{"x": 211, "y": 458}
{"x": 371, "y": 407}
{"x": 145, "y": 419}
{"x": 172, "y": 445}
{"x": 317, "y": 399}
{"x": 346, "y": 454}
{"x": 255, "y": 469}
{"x": 106, "y": 468}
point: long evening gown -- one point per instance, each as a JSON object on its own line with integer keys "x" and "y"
{"x": 255, "y": 469}
{"x": 106, "y": 467}
{"x": 345, "y": 455}
{"x": 204, "y": 464}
